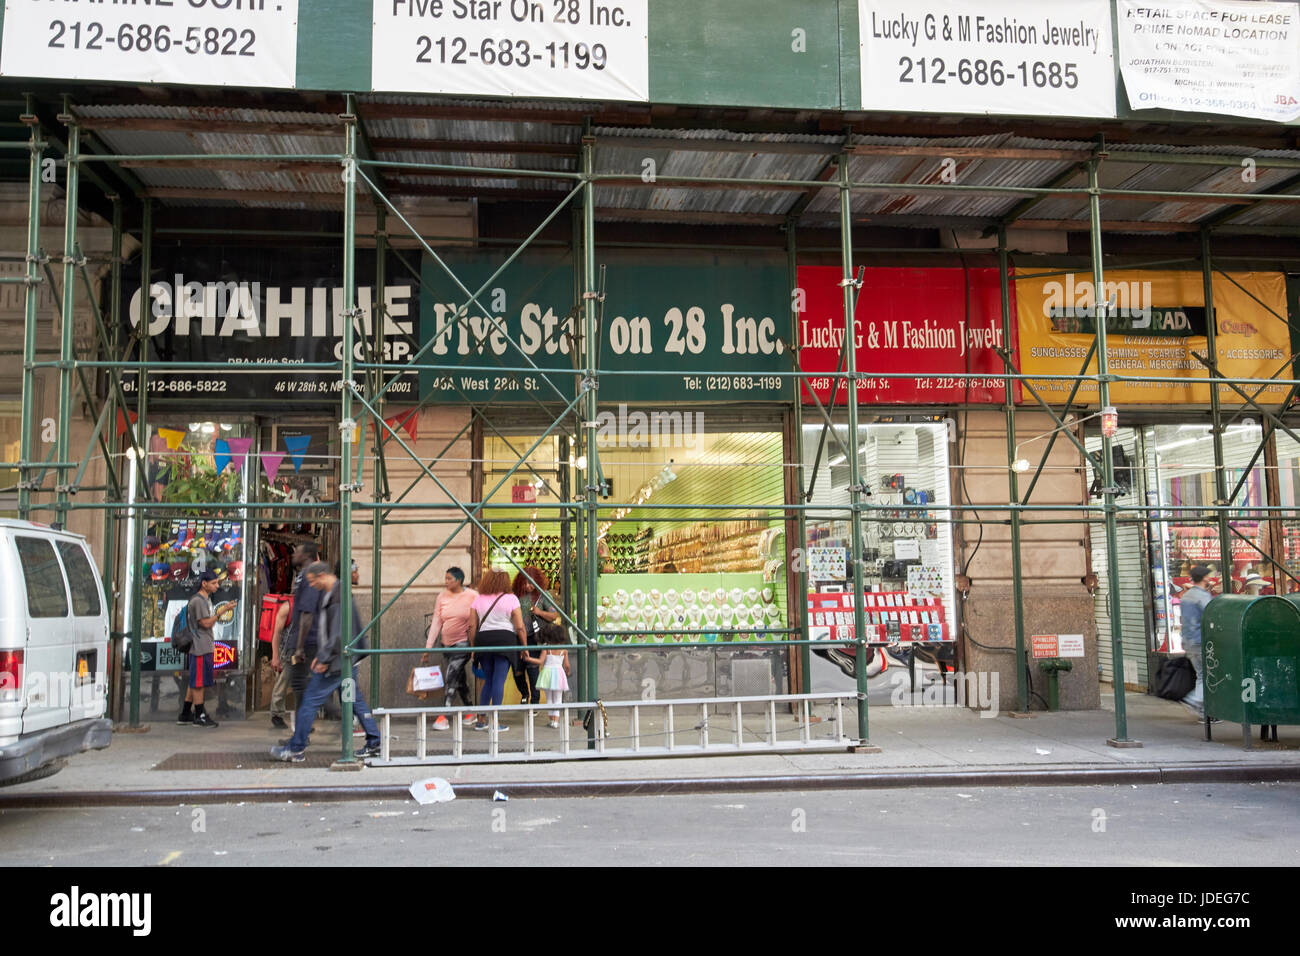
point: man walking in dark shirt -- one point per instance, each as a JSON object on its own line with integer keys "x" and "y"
{"x": 327, "y": 669}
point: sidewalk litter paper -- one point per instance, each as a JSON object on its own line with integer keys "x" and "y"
{"x": 432, "y": 790}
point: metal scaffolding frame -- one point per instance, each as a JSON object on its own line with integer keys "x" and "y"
{"x": 363, "y": 389}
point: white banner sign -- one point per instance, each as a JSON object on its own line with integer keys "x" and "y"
{"x": 562, "y": 49}
{"x": 247, "y": 43}
{"x": 1212, "y": 56}
{"x": 1023, "y": 57}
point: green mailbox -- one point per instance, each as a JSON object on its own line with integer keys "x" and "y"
{"x": 1251, "y": 652}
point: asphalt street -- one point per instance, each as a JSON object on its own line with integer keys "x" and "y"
{"x": 1165, "y": 825}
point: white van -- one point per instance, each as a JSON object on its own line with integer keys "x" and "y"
{"x": 53, "y": 649}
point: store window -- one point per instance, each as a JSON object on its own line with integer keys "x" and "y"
{"x": 717, "y": 570}
{"x": 907, "y": 536}
{"x": 1181, "y": 474}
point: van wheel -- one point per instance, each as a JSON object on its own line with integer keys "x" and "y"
{"x": 40, "y": 773}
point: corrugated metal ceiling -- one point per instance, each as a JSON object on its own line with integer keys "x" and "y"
{"x": 671, "y": 152}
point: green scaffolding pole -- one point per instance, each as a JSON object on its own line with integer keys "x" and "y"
{"x": 350, "y": 314}
{"x": 142, "y": 448}
{"x": 1013, "y": 487}
{"x": 31, "y": 299}
{"x": 67, "y": 320}
{"x": 1121, "y": 738}
{"x": 591, "y": 348}
{"x": 109, "y": 566}
{"x": 379, "y": 316}
{"x": 1216, "y": 418}
{"x": 850, "y": 286}
{"x": 801, "y": 516}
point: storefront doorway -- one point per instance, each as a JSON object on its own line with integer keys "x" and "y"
{"x": 908, "y": 574}
{"x": 1167, "y": 470}
{"x": 207, "y": 465}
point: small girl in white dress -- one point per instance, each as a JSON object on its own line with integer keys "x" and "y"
{"x": 554, "y": 679}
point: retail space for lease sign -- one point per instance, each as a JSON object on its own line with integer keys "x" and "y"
{"x": 707, "y": 329}
{"x": 916, "y": 321}
{"x": 1018, "y": 57}
{"x": 244, "y": 43}
{"x": 1157, "y": 327}
{"x": 558, "y": 49}
{"x": 1212, "y": 56}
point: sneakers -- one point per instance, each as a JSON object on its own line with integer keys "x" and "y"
{"x": 484, "y": 725}
{"x": 185, "y": 718}
{"x": 553, "y": 724}
{"x": 371, "y": 749}
{"x": 278, "y": 722}
{"x": 469, "y": 720}
{"x": 203, "y": 720}
{"x": 442, "y": 723}
{"x": 283, "y": 753}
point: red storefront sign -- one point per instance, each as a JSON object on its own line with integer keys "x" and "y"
{"x": 907, "y": 320}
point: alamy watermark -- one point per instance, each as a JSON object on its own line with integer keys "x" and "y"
{"x": 978, "y": 690}
{"x": 656, "y": 429}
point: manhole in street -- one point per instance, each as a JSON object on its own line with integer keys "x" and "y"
{"x": 248, "y": 760}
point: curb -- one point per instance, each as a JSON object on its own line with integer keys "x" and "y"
{"x": 1082, "y": 777}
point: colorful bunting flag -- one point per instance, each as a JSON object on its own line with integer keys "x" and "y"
{"x": 297, "y": 445}
{"x": 121, "y": 422}
{"x": 239, "y": 450}
{"x": 173, "y": 437}
{"x": 222, "y": 456}
{"x": 271, "y": 463}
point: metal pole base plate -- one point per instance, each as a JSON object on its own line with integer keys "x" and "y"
{"x": 1019, "y": 714}
{"x": 863, "y": 749}
{"x": 125, "y": 728}
{"x": 1123, "y": 744}
{"x": 347, "y": 765}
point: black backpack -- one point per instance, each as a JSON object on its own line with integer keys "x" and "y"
{"x": 1174, "y": 678}
{"x": 182, "y": 634}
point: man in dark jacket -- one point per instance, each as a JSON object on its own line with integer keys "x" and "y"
{"x": 327, "y": 669}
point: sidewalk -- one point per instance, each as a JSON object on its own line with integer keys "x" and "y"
{"x": 919, "y": 746}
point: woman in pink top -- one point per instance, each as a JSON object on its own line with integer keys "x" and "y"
{"x": 497, "y": 622}
{"x": 452, "y": 612}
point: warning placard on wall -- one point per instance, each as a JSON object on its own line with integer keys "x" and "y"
{"x": 246, "y": 43}
{"x": 561, "y": 49}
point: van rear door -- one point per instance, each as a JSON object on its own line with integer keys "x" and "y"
{"x": 90, "y": 622}
{"x": 48, "y": 672}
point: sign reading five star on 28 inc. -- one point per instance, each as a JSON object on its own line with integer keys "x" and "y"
{"x": 563, "y": 49}
{"x": 253, "y": 43}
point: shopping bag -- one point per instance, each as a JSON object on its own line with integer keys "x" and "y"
{"x": 426, "y": 678}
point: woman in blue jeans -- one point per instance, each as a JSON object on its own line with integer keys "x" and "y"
{"x": 496, "y": 622}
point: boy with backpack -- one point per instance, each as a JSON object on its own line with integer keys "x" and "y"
{"x": 200, "y": 619}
